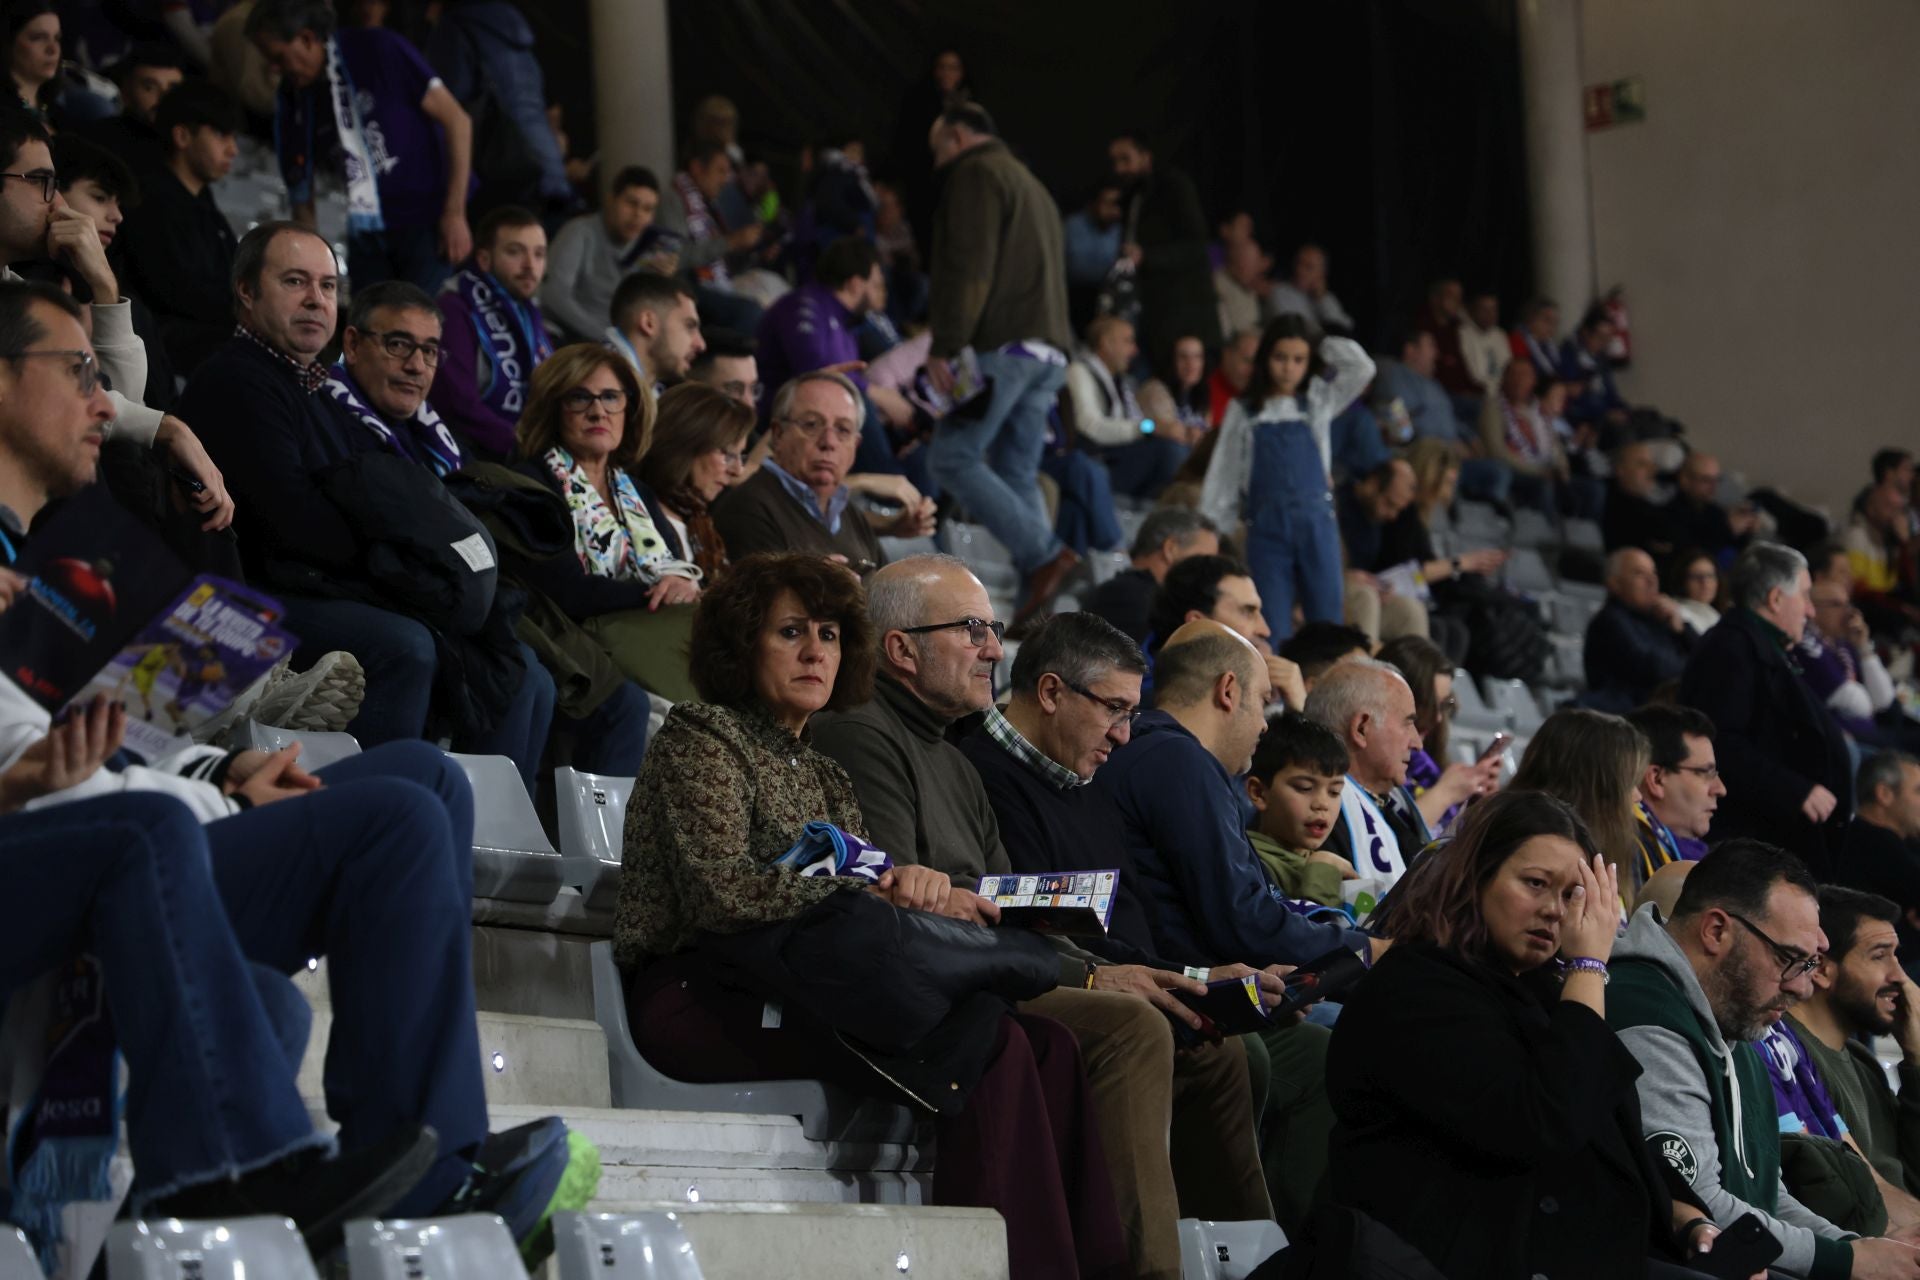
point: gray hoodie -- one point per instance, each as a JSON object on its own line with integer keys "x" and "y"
{"x": 1674, "y": 1099}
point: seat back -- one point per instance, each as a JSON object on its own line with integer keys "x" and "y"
{"x": 827, "y": 1114}
{"x": 512, "y": 858}
{"x": 317, "y": 750}
{"x": 592, "y": 812}
{"x": 474, "y": 1246}
{"x": 1516, "y": 701}
{"x": 622, "y": 1246}
{"x": 1226, "y": 1250}
{"x": 1474, "y": 712}
{"x": 17, "y": 1260}
{"x": 1527, "y": 571}
{"x": 238, "y": 1249}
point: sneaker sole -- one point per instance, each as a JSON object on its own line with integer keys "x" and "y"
{"x": 326, "y": 705}
{"x": 579, "y": 1183}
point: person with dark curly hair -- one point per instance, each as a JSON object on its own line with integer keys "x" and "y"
{"x": 714, "y": 904}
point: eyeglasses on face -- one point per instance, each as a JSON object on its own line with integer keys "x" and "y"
{"x": 811, "y": 425}
{"x": 1794, "y": 962}
{"x": 86, "y": 373}
{"x": 1118, "y": 712}
{"x": 401, "y": 346}
{"x": 1710, "y": 772}
{"x": 978, "y": 629}
{"x": 46, "y": 179}
{"x": 580, "y": 400}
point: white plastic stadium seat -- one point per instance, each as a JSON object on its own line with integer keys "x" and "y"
{"x": 1474, "y": 712}
{"x": 592, "y": 811}
{"x": 474, "y": 1246}
{"x": 1226, "y": 1250}
{"x": 16, "y": 1256}
{"x": 512, "y": 860}
{"x": 317, "y": 750}
{"x": 1513, "y": 699}
{"x": 622, "y": 1246}
{"x": 827, "y": 1114}
{"x": 240, "y": 1249}
{"x": 1527, "y": 571}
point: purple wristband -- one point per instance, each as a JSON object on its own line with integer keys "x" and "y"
{"x": 1585, "y": 964}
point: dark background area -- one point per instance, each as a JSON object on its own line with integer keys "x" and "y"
{"x": 1389, "y": 131}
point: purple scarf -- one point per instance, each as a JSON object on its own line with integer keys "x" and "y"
{"x": 423, "y": 438}
{"x": 512, "y": 338}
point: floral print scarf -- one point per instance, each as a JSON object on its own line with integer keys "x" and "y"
{"x": 621, "y": 542}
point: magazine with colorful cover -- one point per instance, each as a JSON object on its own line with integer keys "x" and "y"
{"x": 108, "y": 609}
{"x": 1074, "y": 903}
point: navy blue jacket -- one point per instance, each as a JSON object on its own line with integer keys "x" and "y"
{"x": 1629, "y": 655}
{"x": 1207, "y": 895}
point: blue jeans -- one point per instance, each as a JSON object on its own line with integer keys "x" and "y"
{"x": 1145, "y": 467}
{"x": 1301, "y": 564}
{"x": 374, "y": 872}
{"x": 397, "y": 253}
{"x": 399, "y": 657}
{"x": 612, "y": 738}
{"x": 1004, "y": 493}
{"x": 211, "y": 1091}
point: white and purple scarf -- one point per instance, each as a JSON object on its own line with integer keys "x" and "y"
{"x": 295, "y": 112}
{"x": 825, "y": 850}
{"x": 423, "y": 438}
{"x": 512, "y": 339}
{"x": 702, "y": 224}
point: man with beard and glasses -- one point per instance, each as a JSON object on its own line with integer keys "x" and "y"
{"x": 1689, "y": 996}
{"x": 1823, "y": 1046}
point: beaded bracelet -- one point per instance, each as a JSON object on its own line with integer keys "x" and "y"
{"x": 1585, "y": 964}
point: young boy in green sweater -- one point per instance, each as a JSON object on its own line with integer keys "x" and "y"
{"x": 1298, "y": 772}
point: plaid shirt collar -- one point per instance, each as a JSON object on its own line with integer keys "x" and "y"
{"x": 311, "y": 376}
{"x": 1051, "y": 771}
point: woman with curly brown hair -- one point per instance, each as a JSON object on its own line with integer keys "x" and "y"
{"x": 735, "y": 893}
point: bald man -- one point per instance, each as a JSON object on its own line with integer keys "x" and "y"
{"x": 1370, "y": 705}
{"x": 926, "y": 805}
{"x": 1699, "y": 519}
{"x": 1171, "y": 784}
{"x": 1638, "y": 641}
{"x": 1634, "y": 516}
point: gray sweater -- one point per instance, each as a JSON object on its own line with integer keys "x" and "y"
{"x": 1674, "y": 1099}
{"x": 583, "y": 267}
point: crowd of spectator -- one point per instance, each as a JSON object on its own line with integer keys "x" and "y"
{"x": 524, "y": 497}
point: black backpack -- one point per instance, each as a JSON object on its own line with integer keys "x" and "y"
{"x": 1507, "y": 639}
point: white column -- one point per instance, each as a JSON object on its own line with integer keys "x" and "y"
{"x": 1557, "y": 154}
{"x": 632, "y": 85}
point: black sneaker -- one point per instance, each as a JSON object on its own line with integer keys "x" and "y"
{"x": 319, "y": 1194}
{"x": 526, "y": 1175}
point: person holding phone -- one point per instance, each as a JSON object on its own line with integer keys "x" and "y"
{"x": 1483, "y": 1109}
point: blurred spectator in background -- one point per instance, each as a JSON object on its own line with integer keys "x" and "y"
{"x": 1514, "y": 433}
{"x": 689, "y": 225}
{"x": 495, "y": 337}
{"x": 1699, "y": 519}
{"x": 1140, "y": 454}
{"x": 592, "y": 251}
{"x": 482, "y": 48}
{"x": 1412, "y": 405}
{"x": 1639, "y": 640}
{"x": 1633, "y": 516}
{"x": 1166, "y": 537}
{"x": 656, "y": 326}
{"x": 907, "y": 161}
{"x": 1443, "y": 316}
{"x": 1305, "y": 294}
{"x": 1228, "y": 382}
{"x": 1241, "y": 285}
{"x": 1182, "y": 397}
{"x": 900, "y": 256}
{"x": 1484, "y": 349}
{"x": 1693, "y": 583}
{"x": 730, "y": 365}
{"x": 1091, "y": 237}
{"x": 1537, "y": 340}
{"x": 1165, "y": 237}
{"x": 145, "y": 75}
{"x": 1585, "y": 364}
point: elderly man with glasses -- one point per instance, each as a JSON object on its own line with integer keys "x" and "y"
{"x": 799, "y": 498}
{"x": 928, "y": 808}
{"x": 1688, "y": 997}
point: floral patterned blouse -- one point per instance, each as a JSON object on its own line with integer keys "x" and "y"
{"x": 722, "y": 794}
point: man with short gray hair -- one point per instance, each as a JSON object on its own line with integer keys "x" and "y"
{"x": 927, "y": 807}
{"x": 1166, "y": 537}
{"x": 1369, "y": 704}
{"x": 1781, "y": 753}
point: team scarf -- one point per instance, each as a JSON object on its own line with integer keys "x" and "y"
{"x": 702, "y": 224}
{"x": 293, "y": 118}
{"x": 422, "y": 438}
{"x": 511, "y": 337}
{"x": 1118, "y": 392}
{"x": 1525, "y": 433}
{"x": 622, "y": 542}
{"x": 1376, "y": 849}
{"x": 825, "y": 850}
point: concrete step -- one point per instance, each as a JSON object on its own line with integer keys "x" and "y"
{"x": 799, "y": 1241}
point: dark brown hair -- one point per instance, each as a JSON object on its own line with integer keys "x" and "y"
{"x": 694, "y": 419}
{"x": 1438, "y": 901}
{"x": 567, "y": 368}
{"x": 725, "y": 642}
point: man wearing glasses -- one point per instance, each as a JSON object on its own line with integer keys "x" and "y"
{"x": 389, "y": 352}
{"x": 799, "y": 498}
{"x": 1681, "y": 788}
{"x": 1688, "y": 997}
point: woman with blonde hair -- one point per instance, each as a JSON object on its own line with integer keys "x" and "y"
{"x": 1594, "y": 762}
{"x": 699, "y": 449}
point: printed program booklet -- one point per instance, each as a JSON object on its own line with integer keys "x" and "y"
{"x": 1073, "y": 903}
{"x": 108, "y": 609}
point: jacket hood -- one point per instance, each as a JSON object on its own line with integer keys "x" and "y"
{"x": 1647, "y": 939}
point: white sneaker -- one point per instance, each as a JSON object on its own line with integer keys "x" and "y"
{"x": 322, "y": 699}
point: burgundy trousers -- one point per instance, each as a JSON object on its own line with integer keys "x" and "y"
{"x": 1026, "y": 1145}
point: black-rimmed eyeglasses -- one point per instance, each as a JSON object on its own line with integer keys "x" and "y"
{"x": 1118, "y": 712}
{"x": 46, "y": 179}
{"x": 978, "y": 629}
{"x": 1794, "y": 962}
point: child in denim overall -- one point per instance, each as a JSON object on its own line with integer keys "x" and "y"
{"x": 1271, "y": 468}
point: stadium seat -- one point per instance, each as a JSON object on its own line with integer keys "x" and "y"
{"x": 592, "y": 812}
{"x": 1584, "y": 535}
{"x": 1226, "y": 1250}
{"x": 240, "y": 1249}
{"x": 1569, "y": 661}
{"x": 622, "y": 1246}
{"x": 1527, "y": 571}
{"x": 16, "y": 1256}
{"x": 1514, "y": 700}
{"x": 827, "y": 1114}
{"x": 1533, "y": 529}
{"x": 983, "y": 553}
{"x": 474, "y": 1246}
{"x": 512, "y": 859}
{"x": 317, "y": 750}
{"x": 1474, "y": 712}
